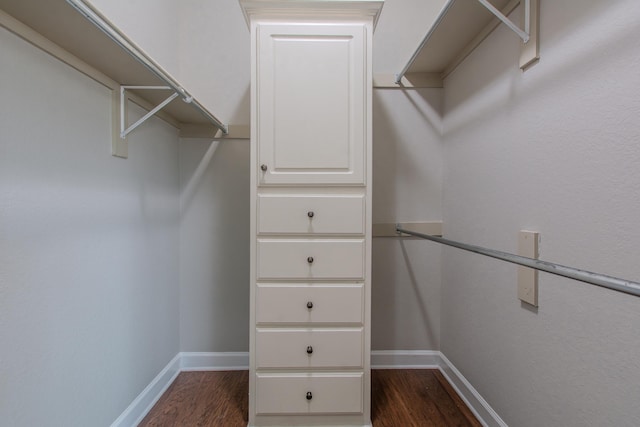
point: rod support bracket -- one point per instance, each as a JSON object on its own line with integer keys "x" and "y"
{"x": 523, "y": 34}
{"x": 124, "y": 130}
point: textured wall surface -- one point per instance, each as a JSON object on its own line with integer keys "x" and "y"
{"x": 205, "y": 45}
{"x": 214, "y": 245}
{"x": 554, "y": 149}
{"x": 153, "y": 25}
{"x": 407, "y": 186}
{"x": 401, "y": 27}
{"x": 88, "y": 247}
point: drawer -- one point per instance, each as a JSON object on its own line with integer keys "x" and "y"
{"x": 310, "y": 259}
{"x": 309, "y": 348}
{"x": 311, "y": 214}
{"x": 339, "y": 393}
{"x": 340, "y": 303}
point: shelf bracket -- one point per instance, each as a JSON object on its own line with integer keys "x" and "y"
{"x": 124, "y": 130}
{"x": 523, "y": 34}
{"x": 530, "y": 52}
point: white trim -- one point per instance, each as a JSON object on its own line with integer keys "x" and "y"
{"x": 480, "y": 407}
{"x": 405, "y": 359}
{"x": 380, "y": 359}
{"x": 219, "y": 361}
{"x": 409, "y": 81}
{"x": 142, "y": 404}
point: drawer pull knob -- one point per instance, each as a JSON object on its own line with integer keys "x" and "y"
{"x": 309, "y": 305}
{"x": 309, "y": 350}
{"x": 310, "y": 214}
{"x": 263, "y": 168}
{"x": 310, "y": 260}
{"x": 309, "y": 395}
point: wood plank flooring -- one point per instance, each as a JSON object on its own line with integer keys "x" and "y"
{"x": 203, "y": 398}
{"x": 416, "y": 398}
{"x": 400, "y": 398}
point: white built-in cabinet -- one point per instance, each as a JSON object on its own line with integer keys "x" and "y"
{"x": 311, "y": 102}
{"x": 310, "y": 212}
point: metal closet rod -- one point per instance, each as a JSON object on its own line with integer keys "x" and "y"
{"x": 103, "y": 24}
{"x": 609, "y": 282}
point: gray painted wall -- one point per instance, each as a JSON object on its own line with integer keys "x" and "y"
{"x": 407, "y": 186}
{"x": 88, "y": 247}
{"x": 554, "y": 149}
{"x": 214, "y": 245}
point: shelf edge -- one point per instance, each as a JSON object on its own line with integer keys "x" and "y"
{"x": 409, "y": 81}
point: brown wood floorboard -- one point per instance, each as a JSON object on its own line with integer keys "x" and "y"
{"x": 416, "y": 398}
{"x": 400, "y": 398}
{"x": 203, "y": 398}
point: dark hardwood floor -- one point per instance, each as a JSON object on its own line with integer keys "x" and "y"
{"x": 400, "y": 398}
{"x": 416, "y": 398}
{"x": 203, "y": 398}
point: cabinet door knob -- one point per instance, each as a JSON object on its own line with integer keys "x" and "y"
{"x": 310, "y": 260}
{"x": 309, "y": 305}
{"x": 309, "y": 395}
{"x": 309, "y": 349}
{"x": 264, "y": 168}
{"x": 310, "y": 214}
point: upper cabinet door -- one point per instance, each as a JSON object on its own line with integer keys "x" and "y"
{"x": 311, "y": 93}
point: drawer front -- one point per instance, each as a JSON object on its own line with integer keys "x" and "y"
{"x": 309, "y": 303}
{"x": 309, "y": 348}
{"x": 311, "y": 214}
{"x": 330, "y": 393}
{"x": 310, "y": 259}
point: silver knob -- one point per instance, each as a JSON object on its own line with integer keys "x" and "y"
{"x": 310, "y": 260}
{"x": 309, "y": 350}
{"x": 309, "y": 305}
{"x": 264, "y": 168}
{"x": 310, "y": 214}
{"x": 309, "y": 395}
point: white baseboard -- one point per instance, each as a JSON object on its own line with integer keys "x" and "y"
{"x": 429, "y": 359}
{"x": 480, "y": 407}
{"x": 381, "y": 359}
{"x": 142, "y": 404}
{"x": 405, "y": 359}
{"x": 219, "y": 361}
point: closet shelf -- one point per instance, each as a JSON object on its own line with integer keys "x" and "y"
{"x": 458, "y": 29}
{"x": 109, "y": 52}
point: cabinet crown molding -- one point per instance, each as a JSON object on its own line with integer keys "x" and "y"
{"x": 335, "y": 9}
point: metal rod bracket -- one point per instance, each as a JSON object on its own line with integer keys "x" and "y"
{"x": 530, "y": 19}
{"x": 523, "y": 34}
{"x": 124, "y": 130}
{"x": 97, "y": 19}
